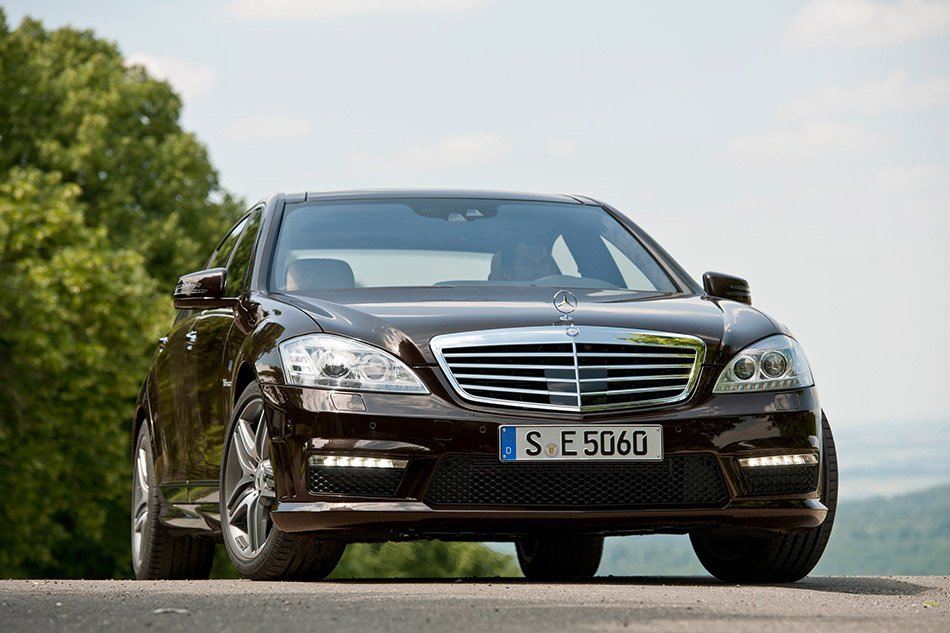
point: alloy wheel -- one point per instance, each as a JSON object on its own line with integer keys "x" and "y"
{"x": 248, "y": 480}
{"x": 140, "y": 497}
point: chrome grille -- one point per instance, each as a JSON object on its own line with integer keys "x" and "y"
{"x": 544, "y": 368}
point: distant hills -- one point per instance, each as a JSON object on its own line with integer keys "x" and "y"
{"x": 903, "y": 534}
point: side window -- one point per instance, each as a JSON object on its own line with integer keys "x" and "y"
{"x": 220, "y": 257}
{"x": 241, "y": 259}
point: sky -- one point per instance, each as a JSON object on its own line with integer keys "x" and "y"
{"x": 803, "y": 145}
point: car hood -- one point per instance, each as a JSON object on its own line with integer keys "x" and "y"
{"x": 403, "y": 320}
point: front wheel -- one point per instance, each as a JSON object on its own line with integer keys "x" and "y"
{"x": 764, "y": 557}
{"x": 545, "y": 558}
{"x": 257, "y": 549}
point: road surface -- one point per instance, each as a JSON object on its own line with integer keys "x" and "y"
{"x": 908, "y": 604}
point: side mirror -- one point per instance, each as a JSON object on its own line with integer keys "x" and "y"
{"x": 727, "y": 287}
{"x": 204, "y": 289}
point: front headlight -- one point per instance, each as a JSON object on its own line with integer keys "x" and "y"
{"x": 324, "y": 360}
{"x": 777, "y": 362}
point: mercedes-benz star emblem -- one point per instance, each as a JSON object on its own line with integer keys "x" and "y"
{"x": 565, "y": 302}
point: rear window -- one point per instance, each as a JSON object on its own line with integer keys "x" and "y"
{"x": 453, "y": 242}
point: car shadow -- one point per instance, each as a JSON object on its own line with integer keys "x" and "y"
{"x": 854, "y": 585}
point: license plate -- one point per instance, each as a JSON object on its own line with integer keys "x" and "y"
{"x": 581, "y": 443}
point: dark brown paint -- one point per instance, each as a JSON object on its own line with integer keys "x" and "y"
{"x": 218, "y": 343}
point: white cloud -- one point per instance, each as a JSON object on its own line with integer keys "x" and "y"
{"x": 266, "y": 127}
{"x": 188, "y": 78}
{"x": 561, "y": 147}
{"x": 812, "y": 140}
{"x": 867, "y": 24}
{"x": 451, "y": 151}
{"x": 321, "y": 9}
{"x": 893, "y": 94}
{"x": 911, "y": 179}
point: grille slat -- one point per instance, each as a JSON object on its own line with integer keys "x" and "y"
{"x": 618, "y": 392}
{"x": 528, "y": 378}
{"x": 476, "y": 480}
{"x": 629, "y": 378}
{"x": 502, "y": 355}
{"x": 599, "y": 368}
{"x": 515, "y": 366}
{"x": 514, "y": 390}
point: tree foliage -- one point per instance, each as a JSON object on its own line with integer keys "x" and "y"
{"x": 421, "y": 559}
{"x": 104, "y": 201}
{"x": 71, "y": 106}
{"x": 435, "y": 559}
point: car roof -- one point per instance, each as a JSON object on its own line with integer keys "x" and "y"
{"x": 372, "y": 194}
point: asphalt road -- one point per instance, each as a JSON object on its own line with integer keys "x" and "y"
{"x": 909, "y": 604}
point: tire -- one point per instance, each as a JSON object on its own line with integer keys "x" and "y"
{"x": 257, "y": 549}
{"x": 559, "y": 557}
{"x": 157, "y": 554}
{"x": 774, "y": 558}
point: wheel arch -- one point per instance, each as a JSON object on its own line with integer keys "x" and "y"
{"x": 245, "y": 376}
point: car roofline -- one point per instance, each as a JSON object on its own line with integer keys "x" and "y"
{"x": 475, "y": 194}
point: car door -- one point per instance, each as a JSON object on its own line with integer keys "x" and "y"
{"x": 164, "y": 396}
{"x": 205, "y": 384}
{"x": 174, "y": 378}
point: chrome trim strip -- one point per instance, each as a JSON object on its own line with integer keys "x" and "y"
{"x": 629, "y": 378}
{"x": 556, "y": 334}
{"x": 539, "y": 392}
{"x": 614, "y": 355}
{"x": 535, "y": 378}
{"x": 501, "y": 355}
{"x": 490, "y": 366}
{"x": 639, "y": 390}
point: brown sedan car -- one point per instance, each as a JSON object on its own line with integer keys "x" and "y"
{"x": 391, "y": 365}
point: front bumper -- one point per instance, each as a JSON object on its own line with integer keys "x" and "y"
{"x": 424, "y": 429}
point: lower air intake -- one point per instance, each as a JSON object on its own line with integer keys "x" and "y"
{"x": 468, "y": 480}
{"x": 356, "y": 481}
{"x": 781, "y": 480}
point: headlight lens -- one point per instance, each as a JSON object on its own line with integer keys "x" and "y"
{"x": 324, "y": 360}
{"x": 775, "y": 363}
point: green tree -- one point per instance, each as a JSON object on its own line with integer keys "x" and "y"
{"x": 104, "y": 202}
{"x": 434, "y": 559}
{"x": 421, "y": 559}
{"x": 72, "y": 324}
{"x": 72, "y": 106}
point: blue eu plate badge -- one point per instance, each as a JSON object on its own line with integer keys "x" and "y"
{"x": 508, "y": 444}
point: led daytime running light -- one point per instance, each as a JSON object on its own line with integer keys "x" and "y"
{"x": 346, "y": 461}
{"x": 778, "y": 460}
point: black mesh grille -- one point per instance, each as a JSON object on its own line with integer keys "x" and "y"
{"x": 485, "y": 481}
{"x": 351, "y": 480}
{"x": 779, "y": 480}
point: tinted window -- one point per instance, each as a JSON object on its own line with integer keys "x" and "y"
{"x": 241, "y": 259}
{"x": 220, "y": 257}
{"x": 379, "y": 243}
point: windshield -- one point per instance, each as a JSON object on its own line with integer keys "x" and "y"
{"x": 454, "y": 242}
